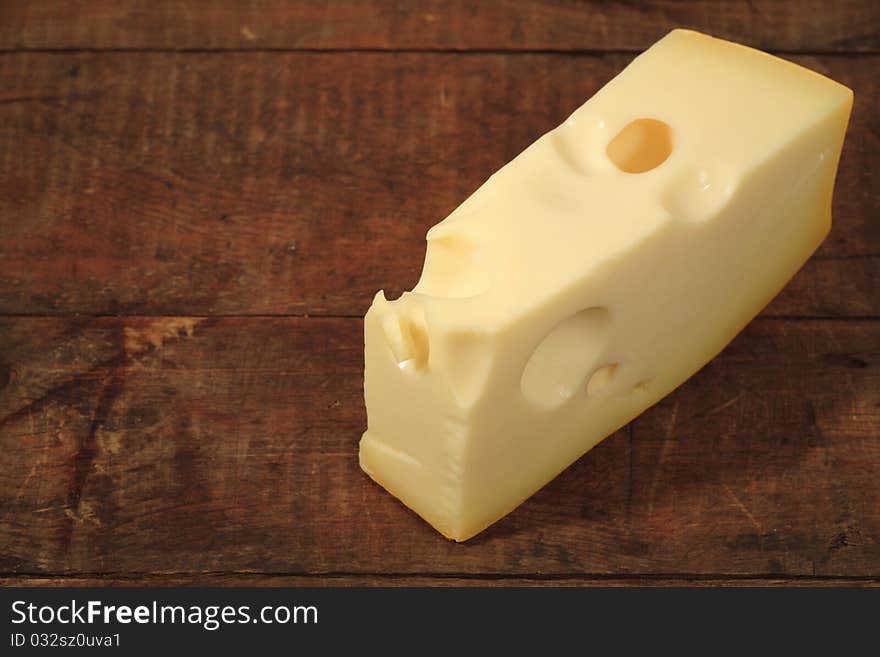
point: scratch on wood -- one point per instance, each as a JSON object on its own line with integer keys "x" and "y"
{"x": 670, "y": 428}
{"x": 721, "y": 407}
{"x": 30, "y": 475}
{"x": 742, "y": 507}
{"x": 205, "y": 507}
{"x": 664, "y": 452}
{"x": 61, "y": 390}
{"x": 24, "y": 484}
{"x": 137, "y": 342}
{"x": 83, "y": 460}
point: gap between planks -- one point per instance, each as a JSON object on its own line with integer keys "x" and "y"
{"x": 532, "y": 577}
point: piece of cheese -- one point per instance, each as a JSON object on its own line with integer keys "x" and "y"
{"x": 596, "y": 272}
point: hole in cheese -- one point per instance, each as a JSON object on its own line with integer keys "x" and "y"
{"x": 641, "y": 146}
{"x": 601, "y": 378}
{"x": 407, "y": 339}
{"x": 561, "y": 362}
{"x": 700, "y": 192}
{"x": 450, "y": 270}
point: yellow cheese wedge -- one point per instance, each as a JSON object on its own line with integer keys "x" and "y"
{"x": 596, "y": 272}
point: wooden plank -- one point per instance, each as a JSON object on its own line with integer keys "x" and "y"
{"x": 809, "y": 25}
{"x": 209, "y": 445}
{"x": 245, "y": 579}
{"x": 271, "y": 183}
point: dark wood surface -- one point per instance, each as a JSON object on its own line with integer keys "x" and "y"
{"x": 790, "y": 26}
{"x": 189, "y": 234}
{"x": 268, "y": 580}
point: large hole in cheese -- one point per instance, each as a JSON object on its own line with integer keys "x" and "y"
{"x": 641, "y": 146}
{"x": 565, "y": 357}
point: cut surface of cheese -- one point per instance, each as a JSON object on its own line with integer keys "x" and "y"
{"x": 595, "y": 273}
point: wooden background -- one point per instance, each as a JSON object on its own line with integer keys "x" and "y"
{"x": 197, "y": 202}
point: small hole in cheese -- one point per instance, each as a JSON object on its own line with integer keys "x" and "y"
{"x": 700, "y": 192}
{"x": 407, "y": 339}
{"x": 601, "y": 378}
{"x": 642, "y": 145}
{"x": 451, "y": 269}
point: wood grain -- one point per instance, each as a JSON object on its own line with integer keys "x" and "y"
{"x": 223, "y": 445}
{"x": 275, "y": 183}
{"x": 807, "y": 25}
{"x": 258, "y": 580}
